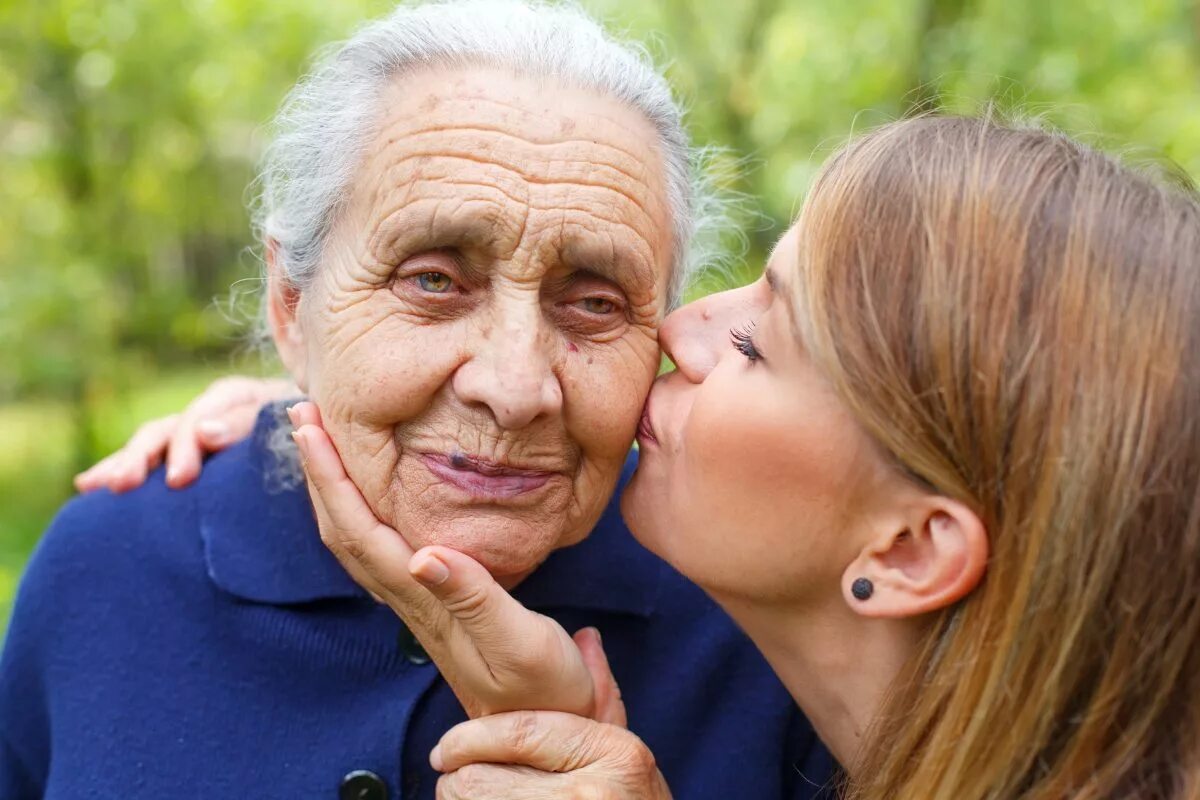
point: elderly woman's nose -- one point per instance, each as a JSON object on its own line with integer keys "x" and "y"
{"x": 696, "y": 336}
{"x": 511, "y": 375}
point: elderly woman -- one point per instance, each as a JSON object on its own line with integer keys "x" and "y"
{"x": 474, "y": 217}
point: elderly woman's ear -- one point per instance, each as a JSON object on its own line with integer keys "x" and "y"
{"x": 283, "y": 303}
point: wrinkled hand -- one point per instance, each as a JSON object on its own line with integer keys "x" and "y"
{"x": 536, "y": 755}
{"x": 220, "y": 416}
{"x": 495, "y": 654}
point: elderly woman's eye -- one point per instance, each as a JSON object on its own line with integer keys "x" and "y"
{"x": 436, "y": 282}
{"x": 598, "y": 305}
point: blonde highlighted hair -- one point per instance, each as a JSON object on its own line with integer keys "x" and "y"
{"x": 1016, "y": 318}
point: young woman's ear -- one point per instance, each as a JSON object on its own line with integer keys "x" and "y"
{"x": 929, "y": 560}
{"x": 283, "y": 302}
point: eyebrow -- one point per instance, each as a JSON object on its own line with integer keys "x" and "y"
{"x": 619, "y": 266}
{"x": 772, "y": 279}
{"x": 776, "y": 286}
{"x": 410, "y": 228}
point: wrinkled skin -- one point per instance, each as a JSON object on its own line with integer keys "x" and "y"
{"x": 533, "y": 755}
{"x": 492, "y": 290}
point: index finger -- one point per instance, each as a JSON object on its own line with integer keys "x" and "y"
{"x": 348, "y": 526}
{"x": 523, "y": 659}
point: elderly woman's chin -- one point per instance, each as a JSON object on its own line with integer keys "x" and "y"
{"x": 509, "y": 521}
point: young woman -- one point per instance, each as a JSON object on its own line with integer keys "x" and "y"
{"x": 942, "y": 463}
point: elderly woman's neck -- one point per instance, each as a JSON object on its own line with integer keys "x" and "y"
{"x": 837, "y": 665}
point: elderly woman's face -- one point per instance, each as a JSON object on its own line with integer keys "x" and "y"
{"x": 483, "y": 331}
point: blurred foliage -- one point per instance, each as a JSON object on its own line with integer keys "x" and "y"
{"x": 129, "y": 131}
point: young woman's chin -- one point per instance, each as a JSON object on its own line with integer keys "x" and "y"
{"x": 663, "y": 524}
{"x": 640, "y": 511}
{"x": 658, "y": 524}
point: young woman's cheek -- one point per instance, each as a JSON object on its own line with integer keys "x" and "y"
{"x": 730, "y": 450}
{"x": 751, "y": 436}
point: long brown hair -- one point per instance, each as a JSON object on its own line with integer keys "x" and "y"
{"x": 1015, "y": 317}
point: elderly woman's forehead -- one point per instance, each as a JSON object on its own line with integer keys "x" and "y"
{"x": 492, "y": 158}
{"x": 537, "y": 99}
{"x": 533, "y": 112}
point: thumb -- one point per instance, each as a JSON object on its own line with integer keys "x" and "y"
{"x": 521, "y": 659}
{"x": 609, "y": 706}
{"x": 471, "y": 595}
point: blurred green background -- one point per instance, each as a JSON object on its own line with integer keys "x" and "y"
{"x": 129, "y": 131}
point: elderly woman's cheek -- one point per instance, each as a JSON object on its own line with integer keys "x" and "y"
{"x": 391, "y": 374}
{"x": 386, "y": 377}
{"x": 604, "y": 389}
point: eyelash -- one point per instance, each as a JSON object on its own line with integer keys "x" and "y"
{"x": 743, "y": 342}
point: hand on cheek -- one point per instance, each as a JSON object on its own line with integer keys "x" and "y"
{"x": 496, "y": 654}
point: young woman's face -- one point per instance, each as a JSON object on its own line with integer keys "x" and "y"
{"x": 752, "y": 474}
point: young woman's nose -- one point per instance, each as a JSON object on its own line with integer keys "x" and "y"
{"x": 511, "y": 372}
{"x": 697, "y": 336}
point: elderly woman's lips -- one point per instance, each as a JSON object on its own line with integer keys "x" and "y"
{"x": 484, "y": 479}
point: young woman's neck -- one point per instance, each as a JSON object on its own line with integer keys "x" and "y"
{"x": 836, "y": 664}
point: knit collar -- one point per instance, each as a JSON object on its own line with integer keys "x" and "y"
{"x": 261, "y": 544}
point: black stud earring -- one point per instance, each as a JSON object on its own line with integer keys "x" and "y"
{"x": 862, "y": 589}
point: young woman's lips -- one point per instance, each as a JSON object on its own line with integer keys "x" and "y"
{"x": 645, "y": 431}
{"x": 483, "y": 479}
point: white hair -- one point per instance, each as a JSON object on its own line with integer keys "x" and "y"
{"x": 327, "y": 120}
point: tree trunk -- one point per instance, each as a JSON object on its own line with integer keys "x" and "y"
{"x": 68, "y": 118}
{"x": 936, "y": 16}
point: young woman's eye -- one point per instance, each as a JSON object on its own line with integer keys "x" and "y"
{"x": 743, "y": 342}
{"x": 597, "y": 305}
{"x": 435, "y": 282}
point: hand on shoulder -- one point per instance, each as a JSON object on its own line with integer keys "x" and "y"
{"x": 222, "y": 415}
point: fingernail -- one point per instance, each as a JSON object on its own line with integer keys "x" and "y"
{"x": 435, "y": 758}
{"x": 431, "y": 571}
{"x": 596, "y": 634}
{"x": 172, "y": 475}
{"x": 300, "y": 443}
{"x": 212, "y": 429}
{"x": 291, "y": 412}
